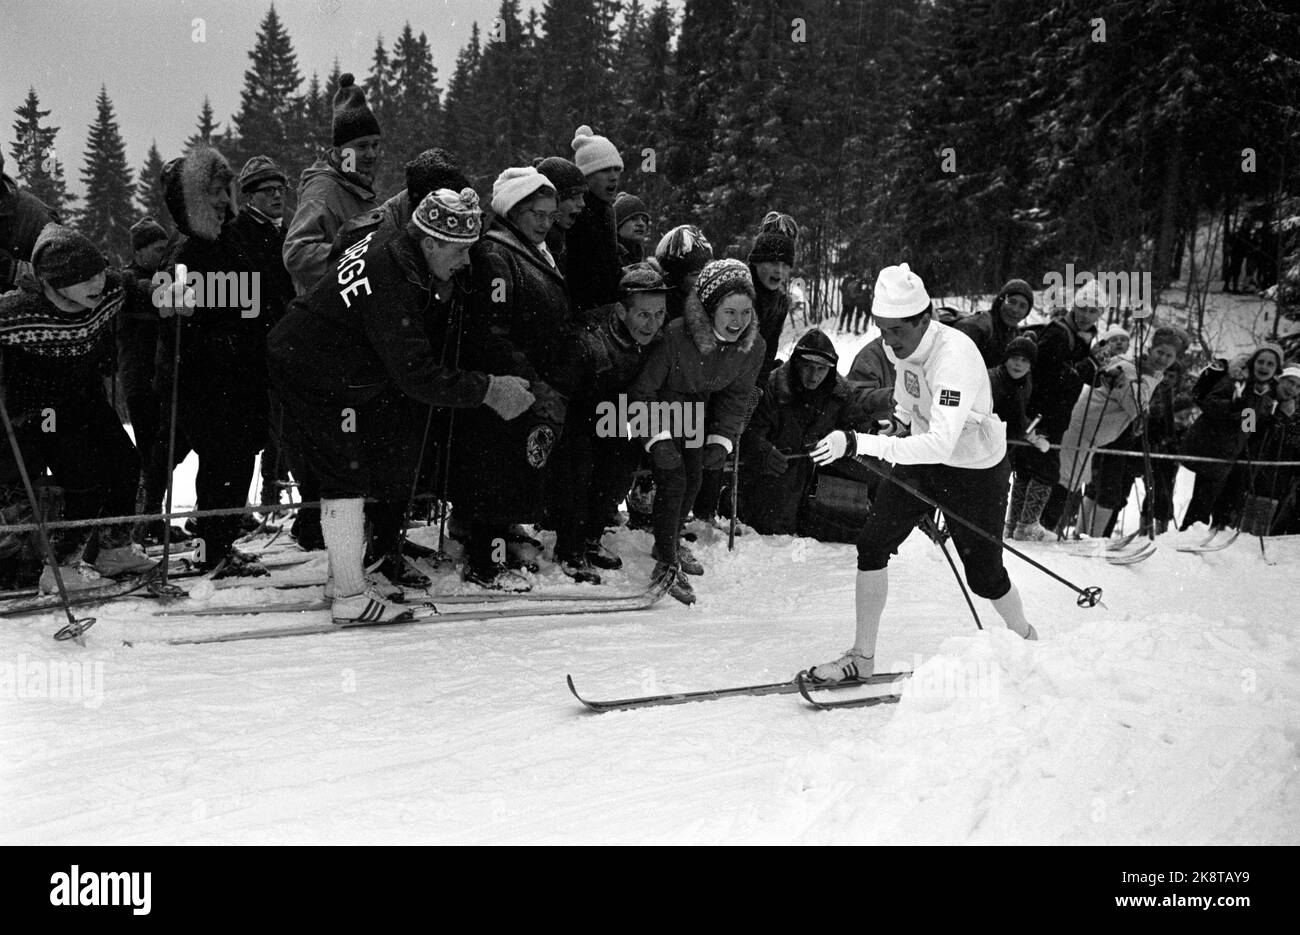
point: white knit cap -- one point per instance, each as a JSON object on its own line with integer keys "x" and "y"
{"x": 592, "y": 153}
{"x": 1292, "y": 371}
{"x": 514, "y": 185}
{"x": 1091, "y": 295}
{"x": 1114, "y": 331}
{"x": 899, "y": 293}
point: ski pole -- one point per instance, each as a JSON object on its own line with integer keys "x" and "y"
{"x": 1088, "y": 597}
{"x": 940, "y": 536}
{"x": 74, "y": 629}
{"x": 735, "y": 486}
{"x": 162, "y": 588}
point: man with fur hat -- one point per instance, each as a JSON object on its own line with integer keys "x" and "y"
{"x": 805, "y": 398}
{"x": 594, "y": 460}
{"x": 354, "y": 368}
{"x": 221, "y": 383}
{"x": 993, "y": 330}
{"x": 947, "y": 443}
{"x": 22, "y": 218}
{"x": 338, "y": 186}
{"x": 592, "y": 241}
{"x": 704, "y": 368}
{"x": 570, "y": 199}
{"x": 56, "y": 342}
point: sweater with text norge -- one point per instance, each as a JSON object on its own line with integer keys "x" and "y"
{"x": 942, "y": 393}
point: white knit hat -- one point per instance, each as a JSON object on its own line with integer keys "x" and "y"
{"x": 1091, "y": 295}
{"x": 592, "y": 153}
{"x": 1292, "y": 371}
{"x": 1114, "y": 331}
{"x": 514, "y": 185}
{"x": 899, "y": 293}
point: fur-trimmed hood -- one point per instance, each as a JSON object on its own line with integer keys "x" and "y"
{"x": 185, "y": 183}
{"x": 701, "y": 331}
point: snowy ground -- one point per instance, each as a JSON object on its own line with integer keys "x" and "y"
{"x": 1168, "y": 716}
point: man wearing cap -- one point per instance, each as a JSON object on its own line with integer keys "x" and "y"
{"x": 805, "y": 398}
{"x": 770, "y": 261}
{"x": 570, "y": 199}
{"x": 137, "y": 347}
{"x": 338, "y": 186}
{"x": 355, "y": 370}
{"x": 993, "y": 330}
{"x": 594, "y": 269}
{"x": 22, "y": 218}
{"x": 594, "y": 461}
{"x": 946, "y": 443}
{"x": 55, "y": 339}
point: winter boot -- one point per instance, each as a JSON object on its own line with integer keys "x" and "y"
{"x": 495, "y": 577}
{"x": 578, "y": 567}
{"x": 122, "y": 560}
{"x": 367, "y": 607}
{"x": 236, "y": 564}
{"x": 398, "y": 571}
{"x": 601, "y": 557}
{"x": 77, "y": 576}
{"x": 517, "y": 533}
{"x": 852, "y": 666}
{"x": 679, "y": 586}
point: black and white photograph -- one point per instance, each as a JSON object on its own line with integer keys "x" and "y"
{"x": 652, "y": 422}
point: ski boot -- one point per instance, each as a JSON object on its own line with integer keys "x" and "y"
{"x": 679, "y": 586}
{"x": 495, "y": 577}
{"x": 77, "y": 576}
{"x": 122, "y": 560}
{"x": 235, "y": 564}
{"x": 601, "y": 557}
{"x": 686, "y": 560}
{"x": 578, "y": 567}
{"x": 367, "y": 607}
{"x": 851, "y": 666}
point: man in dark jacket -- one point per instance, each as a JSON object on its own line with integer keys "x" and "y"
{"x": 770, "y": 261}
{"x": 22, "y": 218}
{"x": 352, "y": 363}
{"x": 993, "y": 330}
{"x": 592, "y": 242}
{"x": 804, "y": 400}
{"x": 570, "y": 200}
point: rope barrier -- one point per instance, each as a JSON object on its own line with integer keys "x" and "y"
{"x": 1165, "y": 457}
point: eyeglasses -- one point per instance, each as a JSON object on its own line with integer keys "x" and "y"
{"x": 269, "y": 190}
{"x": 541, "y": 216}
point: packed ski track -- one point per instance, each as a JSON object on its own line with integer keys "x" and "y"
{"x": 1170, "y": 715}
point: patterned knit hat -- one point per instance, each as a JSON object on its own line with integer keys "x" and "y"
{"x": 719, "y": 279}
{"x": 1171, "y": 336}
{"x": 628, "y": 206}
{"x": 260, "y": 171}
{"x": 448, "y": 216}
{"x": 353, "y": 118}
{"x": 778, "y": 223}
{"x": 564, "y": 175}
{"x": 592, "y": 153}
{"x": 146, "y": 231}
{"x": 431, "y": 170}
{"x": 62, "y": 257}
{"x": 682, "y": 251}
{"x": 774, "y": 247}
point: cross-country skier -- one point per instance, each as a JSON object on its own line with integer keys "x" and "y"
{"x": 946, "y": 443}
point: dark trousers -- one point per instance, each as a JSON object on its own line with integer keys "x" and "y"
{"x": 978, "y": 495}
{"x": 675, "y": 491}
{"x": 587, "y": 477}
{"x": 91, "y": 458}
{"x": 226, "y": 430}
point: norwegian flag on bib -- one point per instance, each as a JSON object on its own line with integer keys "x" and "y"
{"x": 949, "y": 397}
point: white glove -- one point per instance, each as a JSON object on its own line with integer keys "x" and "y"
{"x": 1038, "y": 441}
{"x": 176, "y": 299}
{"x": 834, "y": 446}
{"x": 508, "y": 396}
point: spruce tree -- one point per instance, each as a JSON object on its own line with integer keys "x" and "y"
{"x": 36, "y": 162}
{"x": 205, "y": 132}
{"x": 269, "y": 104}
{"x": 415, "y": 114}
{"x": 461, "y": 123}
{"x": 500, "y": 83}
{"x": 149, "y": 189}
{"x": 577, "y": 50}
{"x": 108, "y": 214}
